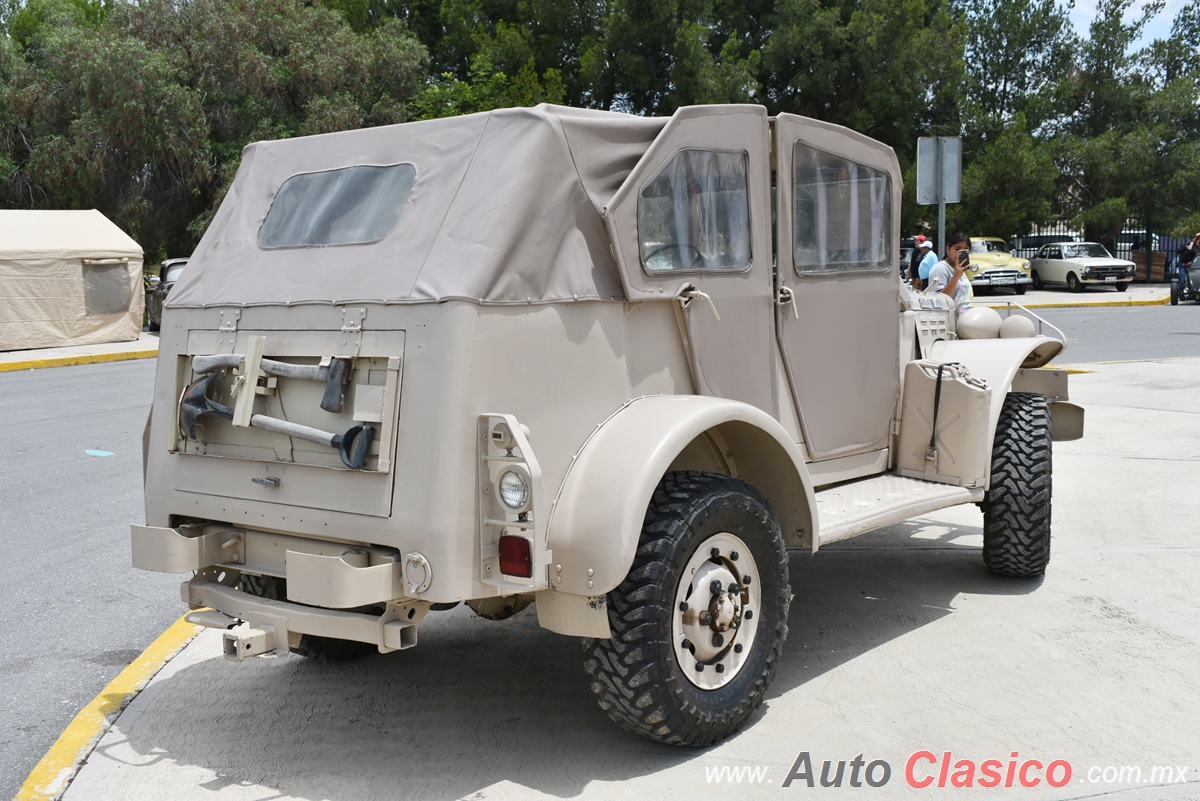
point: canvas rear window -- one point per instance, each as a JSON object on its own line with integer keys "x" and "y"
{"x": 695, "y": 214}
{"x": 350, "y": 206}
{"x": 841, "y": 213}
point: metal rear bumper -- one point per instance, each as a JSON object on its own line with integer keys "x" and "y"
{"x": 257, "y": 626}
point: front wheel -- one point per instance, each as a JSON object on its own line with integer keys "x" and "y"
{"x": 1016, "y": 507}
{"x": 699, "y": 622}
{"x": 1122, "y": 286}
{"x": 1175, "y": 293}
{"x": 1073, "y": 283}
{"x": 1021, "y": 289}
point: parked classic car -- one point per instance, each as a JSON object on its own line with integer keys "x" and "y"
{"x": 992, "y": 265}
{"x": 1078, "y": 265}
{"x": 159, "y": 286}
{"x": 1026, "y": 247}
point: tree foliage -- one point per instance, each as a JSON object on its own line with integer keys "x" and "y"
{"x": 141, "y": 109}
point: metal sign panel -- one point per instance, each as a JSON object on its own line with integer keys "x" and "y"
{"x": 939, "y": 154}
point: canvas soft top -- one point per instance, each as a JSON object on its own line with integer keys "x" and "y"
{"x": 505, "y": 207}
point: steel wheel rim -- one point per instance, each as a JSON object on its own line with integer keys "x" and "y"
{"x": 713, "y": 631}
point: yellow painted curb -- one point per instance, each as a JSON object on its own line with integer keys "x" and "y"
{"x": 82, "y": 358}
{"x": 50, "y": 778}
{"x": 1066, "y": 304}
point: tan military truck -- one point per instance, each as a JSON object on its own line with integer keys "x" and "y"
{"x": 615, "y": 366}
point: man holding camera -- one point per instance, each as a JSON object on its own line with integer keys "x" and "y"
{"x": 947, "y": 275}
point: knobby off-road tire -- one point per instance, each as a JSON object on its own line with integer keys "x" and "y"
{"x": 1016, "y": 509}
{"x": 703, "y": 532}
{"x": 325, "y": 649}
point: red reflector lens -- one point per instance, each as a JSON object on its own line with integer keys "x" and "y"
{"x": 516, "y": 558}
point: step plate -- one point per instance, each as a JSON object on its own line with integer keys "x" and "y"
{"x": 861, "y": 506}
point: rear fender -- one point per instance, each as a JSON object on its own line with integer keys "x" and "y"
{"x": 597, "y": 518}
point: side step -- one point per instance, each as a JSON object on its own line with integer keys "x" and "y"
{"x": 860, "y": 506}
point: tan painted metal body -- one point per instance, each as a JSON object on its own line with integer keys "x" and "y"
{"x": 592, "y": 376}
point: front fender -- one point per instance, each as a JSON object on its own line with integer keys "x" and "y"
{"x": 997, "y": 362}
{"x": 597, "y": 517}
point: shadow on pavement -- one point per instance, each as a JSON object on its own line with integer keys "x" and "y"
{"x": 479, "y": 703}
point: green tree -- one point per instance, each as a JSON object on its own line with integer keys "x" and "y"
{"x": 1009, "y": 186}
{"x": 891, "y": 69}
{"x": 1018, "y": 52}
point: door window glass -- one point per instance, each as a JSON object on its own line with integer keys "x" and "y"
{"x": 350, "y": 206}
{"x": 841, "y": 213}
{"x": 695, "y": 214}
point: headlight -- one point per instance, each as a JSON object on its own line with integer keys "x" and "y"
{"x": 1024, "y": 265}
{"x": 513, "y": 489}
{"x": 974, "y": 268}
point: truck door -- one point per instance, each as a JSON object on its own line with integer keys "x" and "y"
{"x": 696, "y": 212}
{"x": 838, "y": 203}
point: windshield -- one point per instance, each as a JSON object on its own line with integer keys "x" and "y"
{"x": 986, "y": 246}
{"x": 1085, "y": 250}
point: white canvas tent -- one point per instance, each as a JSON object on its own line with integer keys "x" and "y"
{"x": 67, "y": 278}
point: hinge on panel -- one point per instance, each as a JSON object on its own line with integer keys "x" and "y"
{"x": 228, "y": 326}
{"x": 352, "y": 326}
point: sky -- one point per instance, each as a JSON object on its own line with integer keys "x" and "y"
{"x": 1159, "y": 27}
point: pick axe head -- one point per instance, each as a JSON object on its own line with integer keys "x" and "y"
{"x": 195, "y": 402}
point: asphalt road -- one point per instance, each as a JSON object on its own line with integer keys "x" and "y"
{"x": 76, "y": 613}
{"x": 1096, "y": 334}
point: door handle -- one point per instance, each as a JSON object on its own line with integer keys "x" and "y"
{"x": 786, "y": 295}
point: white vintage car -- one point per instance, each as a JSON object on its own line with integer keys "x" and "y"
{"x": 1078, "y": 265}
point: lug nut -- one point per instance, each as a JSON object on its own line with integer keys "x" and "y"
{"x": 683, "y": 607}
{"x": 705, "y": 618}
{"x": 733, "y": 587}
{"x": 720, "y": 668}
{"x": 746, "y": 580}
{"x": 718, "y": 640}
{"x": 733, "y": 555}
{"x": 749, "y": 614}
{"x": 699, "y": 668}
{"x": 737, "y": 649}
{"x": 688, "y": 645}
{"x": 715, "y": 586}
{"x": 715, "y": 553}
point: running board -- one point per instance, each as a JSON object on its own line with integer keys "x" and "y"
{"x": 860, "y": 506}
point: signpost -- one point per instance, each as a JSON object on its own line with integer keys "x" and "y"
{"x": 939, "y": 177}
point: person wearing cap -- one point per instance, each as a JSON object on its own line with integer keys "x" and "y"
{"x": 927, "y": 262}
{"x": 914, "y": 262}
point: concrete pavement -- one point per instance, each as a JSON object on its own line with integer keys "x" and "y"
{"x": 900, "y": 643}
{"x": 144, "y": 347}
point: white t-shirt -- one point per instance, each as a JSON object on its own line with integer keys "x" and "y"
{"x": 939, "y": 277}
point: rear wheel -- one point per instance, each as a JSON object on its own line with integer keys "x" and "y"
{"x": 323, "y": 648}
{"x": 1073, "y": 283}
{"x": 1016, "y": 508}
{"x": 1175, "y": 293}
{"x": 699, "y": 622}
